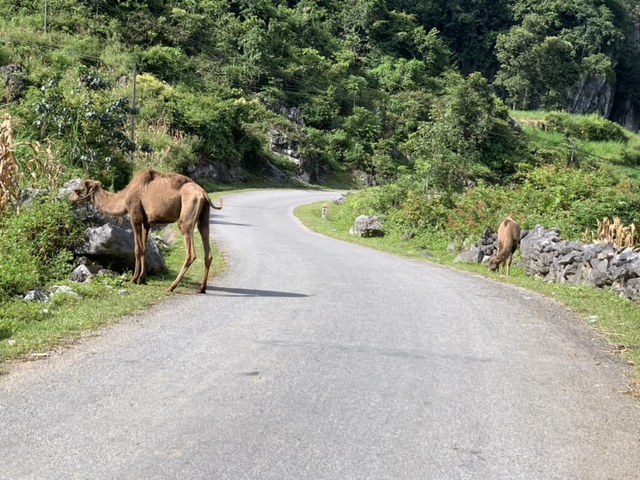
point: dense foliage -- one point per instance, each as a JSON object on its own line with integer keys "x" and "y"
{"x": 37, "y": 245}
{"x": 367, "y": 76}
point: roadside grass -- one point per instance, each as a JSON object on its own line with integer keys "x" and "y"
{"x": 30, "y": 330}
{"x": 618, "y": 319}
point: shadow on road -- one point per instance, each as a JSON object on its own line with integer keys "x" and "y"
{"x": 411, "y": 354}
{"x": 244, "y": 292}
{"x": 217, "y": 222}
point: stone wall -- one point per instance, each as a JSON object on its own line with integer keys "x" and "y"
{"x": 545, "y": 255}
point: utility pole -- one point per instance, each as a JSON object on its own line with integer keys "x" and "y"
{"x": 46, "y": 8}
{"x": 133, "y": 109}
{"x": 573, "y": 146}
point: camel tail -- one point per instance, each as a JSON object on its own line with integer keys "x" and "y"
{"x": 215, "y": 206}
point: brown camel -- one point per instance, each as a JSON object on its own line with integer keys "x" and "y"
{"x": 508, "y": 241}
{"x": 155, "y": 197}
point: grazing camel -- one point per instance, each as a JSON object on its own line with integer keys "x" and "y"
{"x": 508, "y": 241}
{"x": 155, "y": 197}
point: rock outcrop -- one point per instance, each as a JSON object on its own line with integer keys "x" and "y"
{"x": 367, "y": 226}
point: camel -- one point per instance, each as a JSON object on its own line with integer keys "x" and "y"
{"x": 155, "y": 197}
{"x": 508, "y": 241}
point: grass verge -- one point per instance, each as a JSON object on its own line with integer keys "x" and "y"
{"x": 617, "y": 318}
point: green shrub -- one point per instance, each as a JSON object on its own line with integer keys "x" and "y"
{"x": 590, "y": 128}
{"x": 164, "y": 150}
{"x": 87, "y": 124}
{"x": 566, "y": 198}
{"x": 18, "y": 268}
{"x": 5, "y": 56}
{"x": 217, "y": 124}
{"x": 36, "y": 245}
{"x": 631, "y": 155}
{"x": 165, "y": 62}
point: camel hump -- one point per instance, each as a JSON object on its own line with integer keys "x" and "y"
{"x": 509, "y": 228}
{"x": 510, "y": 221}
{"x": 174, "y": 181}
{"x": 145, "y": 177}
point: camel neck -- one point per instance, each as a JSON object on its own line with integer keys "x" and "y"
{"x": 111, "y": 203}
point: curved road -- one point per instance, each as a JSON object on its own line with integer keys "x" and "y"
{"x": 311, "y": 358}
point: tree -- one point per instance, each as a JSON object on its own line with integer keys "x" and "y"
{"x": 467, "y": 138}
{"x": 536, "y": 69}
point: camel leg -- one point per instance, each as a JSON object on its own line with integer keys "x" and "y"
{"x": 142, "y": 279}
{"x": 203, "y": 227}
{"x": 190, "y": 256}
{"x": 137, "y": 234}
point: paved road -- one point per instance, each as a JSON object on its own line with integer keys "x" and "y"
{"x": 312, "y": 358}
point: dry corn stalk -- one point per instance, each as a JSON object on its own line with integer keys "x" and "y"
{"x": 43, "y": 167}
{"x": 9, "y": 168}
{"x": 612, "y": 231}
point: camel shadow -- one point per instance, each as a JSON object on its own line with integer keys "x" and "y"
{"x": 214, "y": 219}
{"x": 244, "y": 292}
{"x": 216, "y": 222}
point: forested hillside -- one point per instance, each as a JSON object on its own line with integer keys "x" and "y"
{"x": 348, "y": 83}
{"x": 414, "y": 96}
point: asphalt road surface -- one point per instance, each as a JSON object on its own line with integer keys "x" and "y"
{"x": 311, "y": 358}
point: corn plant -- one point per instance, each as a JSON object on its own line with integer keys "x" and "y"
{"x": 9, "y": 168}
{"x": 43, "y": 168}
{"x": 40, "y": 166}
{"x": 612, "y": 231}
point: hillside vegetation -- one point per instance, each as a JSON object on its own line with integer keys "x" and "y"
{"x": 414, "y": 97}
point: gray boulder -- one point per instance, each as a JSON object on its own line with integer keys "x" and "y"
{"x": 367, "y": 226}
{"x": 112, "y": 245}
{"x": 15, "y": 81}
{"x": 472, "y": 254}
{"x": 217, "y": 171}
{"x": 37, "y": 295}
{"x": 69, "y": 187}
{"x": 81, "y": 274}
{"x": 629, "y": 289}
{"x": 57, "y": 290}
{"x": 270, "y": 170}
{"x": 487, "y": 243}
{"x": 29, "y": 195}
{"x": 481, "y": 250}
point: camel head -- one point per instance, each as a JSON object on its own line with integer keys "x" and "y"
{"x": 493, "y": 263}
{"x": 85, "y": 192}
